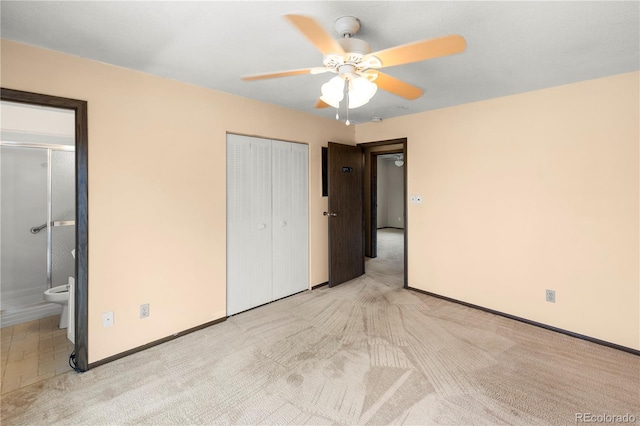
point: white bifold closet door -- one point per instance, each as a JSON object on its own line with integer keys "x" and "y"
{"x": 267, "y": 221}
{"x": 290, "y": 218}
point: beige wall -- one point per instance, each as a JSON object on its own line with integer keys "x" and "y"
{"x": 526, "y": 193}
{"x": 523, "y": 193}
{"x": 157, "y": 189}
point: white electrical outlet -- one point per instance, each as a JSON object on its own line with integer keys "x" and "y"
{"x": 144, "y": 311}
{"x": 551, "y": 296}
{"x": 107, "y": 319}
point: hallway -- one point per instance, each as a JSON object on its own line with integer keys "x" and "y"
{"x": 388, "y": 267}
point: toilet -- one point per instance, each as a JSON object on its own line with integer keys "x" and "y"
{"x": 60, "y": 294}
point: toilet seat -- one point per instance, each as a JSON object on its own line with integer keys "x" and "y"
{"x": 60, "y": 295}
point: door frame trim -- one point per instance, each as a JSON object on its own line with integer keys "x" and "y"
{"x": 369, "y": 155}
{"x": 82, "y": 207}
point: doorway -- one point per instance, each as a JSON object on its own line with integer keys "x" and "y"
{"x": 385, "y": 205}
{"x": 80, "y": 122}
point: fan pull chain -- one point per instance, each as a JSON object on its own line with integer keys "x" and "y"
{"x": 347, "y": 102}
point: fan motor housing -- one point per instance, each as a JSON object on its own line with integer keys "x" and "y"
{"x": 347, "y": 71}
{"x": 355, "y": 45}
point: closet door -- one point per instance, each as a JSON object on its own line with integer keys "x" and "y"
{"x": 249, "y": 239}
{"x": 290, "y": 218}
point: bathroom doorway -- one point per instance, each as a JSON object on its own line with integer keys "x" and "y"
{"x": 43, "y": 160}
{"x": 37, "y": 214}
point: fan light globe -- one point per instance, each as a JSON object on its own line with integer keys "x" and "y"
{"x": 333, "y": 91}
{"x": 361, "y": 91}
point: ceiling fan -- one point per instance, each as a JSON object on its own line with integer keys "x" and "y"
{"x": 357, "y": 67}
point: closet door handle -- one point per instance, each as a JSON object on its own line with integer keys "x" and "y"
{"x": 330, "y": 214}
{"x": 262, "y": 226}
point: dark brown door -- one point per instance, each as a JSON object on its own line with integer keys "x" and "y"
{"x": 346, "y": 213}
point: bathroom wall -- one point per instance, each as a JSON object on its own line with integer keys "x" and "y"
{"x": 157, "y": 189}
{"x": 526, "y": 193}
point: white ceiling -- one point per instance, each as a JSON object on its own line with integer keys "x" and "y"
{"x": 512, "y": 47}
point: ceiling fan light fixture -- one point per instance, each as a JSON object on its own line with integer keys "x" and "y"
{"x": 361, "y": 90}
{"x": 331, "y": 102}
{"x": 354, "y": 61}
{"x": 333, "y": 91}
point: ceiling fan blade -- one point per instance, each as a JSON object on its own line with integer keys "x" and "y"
{"x": 420, "y": 50}
{"x": 279, "y": 74}
{"x": 321, "y": 104}
{"x": 316, "y": 34}
{"x": 397, "y": 87}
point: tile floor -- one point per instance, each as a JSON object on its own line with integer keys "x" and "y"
{"x": 33, "y": 351}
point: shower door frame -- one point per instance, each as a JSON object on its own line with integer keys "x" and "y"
{"x": 82, "y": 213}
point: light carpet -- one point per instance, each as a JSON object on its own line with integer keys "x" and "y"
{"x": 364, "y": 352}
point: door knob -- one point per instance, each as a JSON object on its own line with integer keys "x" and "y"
{"x": 332, "y": 214}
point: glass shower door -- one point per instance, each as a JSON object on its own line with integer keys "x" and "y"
{"x": 23, "y": 258}
{"x": 63, "y": 216}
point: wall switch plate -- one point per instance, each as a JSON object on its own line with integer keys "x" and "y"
{"x": 107, "y": 319}
{"x": 413, "y": 198}
{"x": 144, "y": 311}
{"x": 551, "y": 296}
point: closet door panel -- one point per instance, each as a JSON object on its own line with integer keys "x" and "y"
{"x": 282, "y": 231}
{"x": 249, "y": 259}
{"x": 299, "y": 257}
{"x": 290, "y": 219}
{"x": 258, "y": 256}
{"x": 238, "y": 224}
